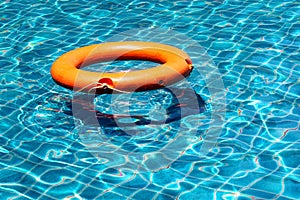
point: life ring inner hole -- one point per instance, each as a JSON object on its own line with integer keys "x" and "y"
{"x": 117, "y": 65}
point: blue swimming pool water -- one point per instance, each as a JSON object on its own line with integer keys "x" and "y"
{"x": 246, "y": 50}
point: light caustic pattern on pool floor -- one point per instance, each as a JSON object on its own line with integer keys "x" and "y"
{"x": 254, "y": 44}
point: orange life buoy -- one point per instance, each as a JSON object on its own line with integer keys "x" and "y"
{"x": 175, "y": 65}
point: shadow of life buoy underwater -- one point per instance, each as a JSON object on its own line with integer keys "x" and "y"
{"x": 179, "y": 107}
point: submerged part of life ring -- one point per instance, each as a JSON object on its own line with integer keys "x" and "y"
{"x": 174, "y": 66}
